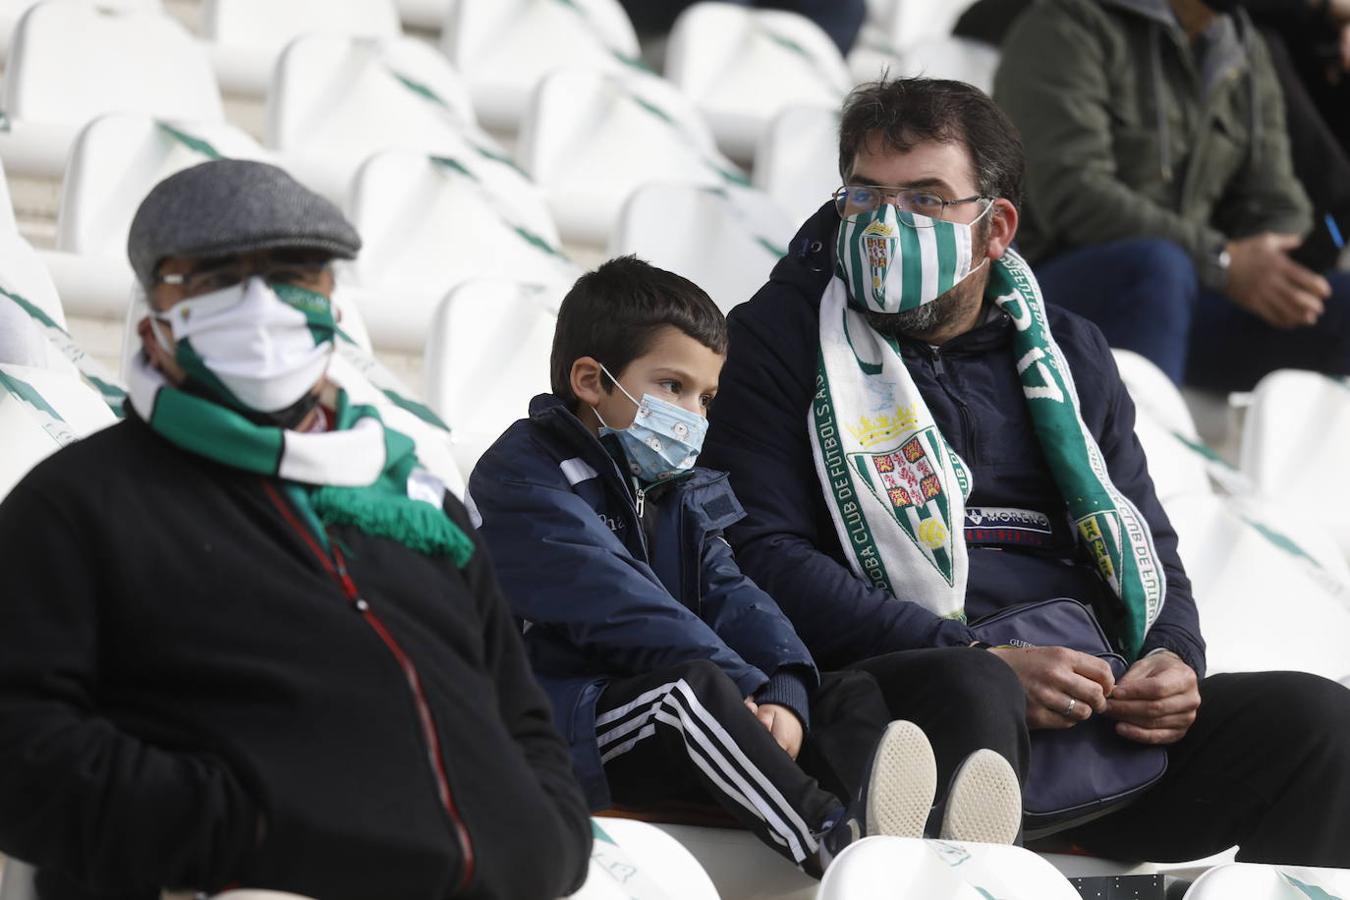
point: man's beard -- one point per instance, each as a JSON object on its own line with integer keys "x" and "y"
{"x": 927, "y": 319}
{"x": 935, "y": 316}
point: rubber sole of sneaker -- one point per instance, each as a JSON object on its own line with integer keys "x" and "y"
{"x": 984, "y": 804}
{"x": 903, "y": 781}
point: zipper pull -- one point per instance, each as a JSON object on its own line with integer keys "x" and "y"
{"x": 641, "y": 502}
{"x": 937, "y": 362}
{"x": 361, "y": 605}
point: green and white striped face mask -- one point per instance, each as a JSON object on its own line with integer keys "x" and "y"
{"x": 895, "y": 261}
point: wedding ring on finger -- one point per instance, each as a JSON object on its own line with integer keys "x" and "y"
{"x": 1068, "y": 710}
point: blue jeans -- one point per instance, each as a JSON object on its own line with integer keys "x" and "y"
{"x": 1144, "y": 295}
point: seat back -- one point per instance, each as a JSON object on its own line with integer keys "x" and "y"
{"x": 350, "y": 96}
{"x": 725, "y": 241}
{"x": 905, "y": 23}
{"x": 504, "y": 48}
{"x": 41, "y": 411}
{"x": 431, "y": 223}
{"x": 12, "y": 10}
{"x": 487, "y": 355}
{"x": 636, "y": 860}
{"x": 1294, "y": 447}
{"x": 73, "y": 60}
{"x": 797, "y": 160}
{"x": 951, "y": 57}
{"x": 22, "y": 273}
{"x": 8, "y": 224}
{"x": 1239, "y": 555}
{"x": 115, "y": 162}
{"x": 336, "y": 100}
{"x": 269, "y": 25}
{"x": 1178, "y": 461}
{"x": 743, "y": 66}
{"x": 907, "y": 867}
{"x": 591, "y": 139}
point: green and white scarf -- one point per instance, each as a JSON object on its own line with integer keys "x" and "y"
{"x": 361, "y": 473}
{"x": 896, "y": 490}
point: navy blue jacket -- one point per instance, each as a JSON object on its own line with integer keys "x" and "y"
{"x": 604, "y": 594}
{"x": 788, "y": 544}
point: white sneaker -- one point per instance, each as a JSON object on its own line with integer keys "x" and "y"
{"x": 984, "y": 803}
{"x": 900, "y": 789}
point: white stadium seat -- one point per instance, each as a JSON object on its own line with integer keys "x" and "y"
{"x": 8, "y": 225}
{"x": 431, "y": 223}
{"x": 880, "y": 868}
{"x": 72, "y": 61}
{"x": 487, "y": 354}
{"x": 1240, "y": 560}
{"x": 41, "y": 411}
{"x": 337, "y": 100}
{"x": 743, "y": 66}
{"x": 724, "y": 240}
{"x": 1164, "y": 426}
{"x": 1295, "y": 446}
{"x": 506, "y": 47}
{"x": 797, "y": 160}
{"x": 427, "y": 15}
{"x": 954, "y": 58}
{"x": 591, "y": 139}
{"x": 12, "y": 10}
{"x": 22, "y": 272}
{"x": 635, "y": 861}
{"x": 247, "y": 36}
{"x": 1247, "y": 881}
{"x": 903, "y": 23}
{"x": 741, "y": 865}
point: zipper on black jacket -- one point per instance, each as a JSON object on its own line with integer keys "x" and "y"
{"x": 967, "y": 420}
{"x": 336, "y": 566}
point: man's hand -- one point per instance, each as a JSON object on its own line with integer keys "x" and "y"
{"x": 1263, "y": 280}
{"x": 1156, "y": 700}
{"x": 781, "y": 722}
{"x": 1052, "y": 676}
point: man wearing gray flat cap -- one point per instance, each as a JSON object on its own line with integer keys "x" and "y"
{"x": 247, "y": 639}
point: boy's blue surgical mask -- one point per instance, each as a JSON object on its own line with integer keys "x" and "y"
{"x": 664, "y": 439}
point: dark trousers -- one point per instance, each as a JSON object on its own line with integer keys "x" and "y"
{"x": 684, "y": 735}
{"x": 1266, "y": 766}
{"x": 1144, "y": 295}
{"x": 964, "y": 700}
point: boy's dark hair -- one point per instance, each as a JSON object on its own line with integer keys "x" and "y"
{"x": 908, "y": 111}
{"x": 614, "y": 313}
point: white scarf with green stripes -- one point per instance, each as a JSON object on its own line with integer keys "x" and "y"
{"x": 896, "y": 490}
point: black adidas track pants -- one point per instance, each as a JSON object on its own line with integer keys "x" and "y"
{"x": 684, "y": 736}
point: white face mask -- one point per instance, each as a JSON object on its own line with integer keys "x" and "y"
{"x": 263, "y": 348}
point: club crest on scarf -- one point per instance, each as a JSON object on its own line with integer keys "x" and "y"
{"x": 904, "y": 477}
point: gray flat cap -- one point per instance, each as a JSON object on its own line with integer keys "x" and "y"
{"x": 229, "y": 206}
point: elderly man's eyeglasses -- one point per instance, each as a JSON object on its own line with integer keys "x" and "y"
{"x": 859, "y": 200}
{"x": 308, "y": 275}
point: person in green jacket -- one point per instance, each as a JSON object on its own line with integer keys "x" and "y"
{"x": 1161, "y": 198}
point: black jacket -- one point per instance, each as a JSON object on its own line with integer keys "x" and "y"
{"x": 608, "y": 593}
{"x": 788, "y": 544}
{"x": 190, "y": 697}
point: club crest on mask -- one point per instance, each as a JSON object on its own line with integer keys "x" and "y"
{"x": 879, "y": 240}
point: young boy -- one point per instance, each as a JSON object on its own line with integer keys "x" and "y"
{"x": 672, "y": 675}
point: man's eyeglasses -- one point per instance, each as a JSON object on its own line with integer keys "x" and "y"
{"x": 308, "y": 275}
{"x": 855, "y": 200}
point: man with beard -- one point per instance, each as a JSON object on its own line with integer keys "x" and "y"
{"x": 920, "y": 442}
